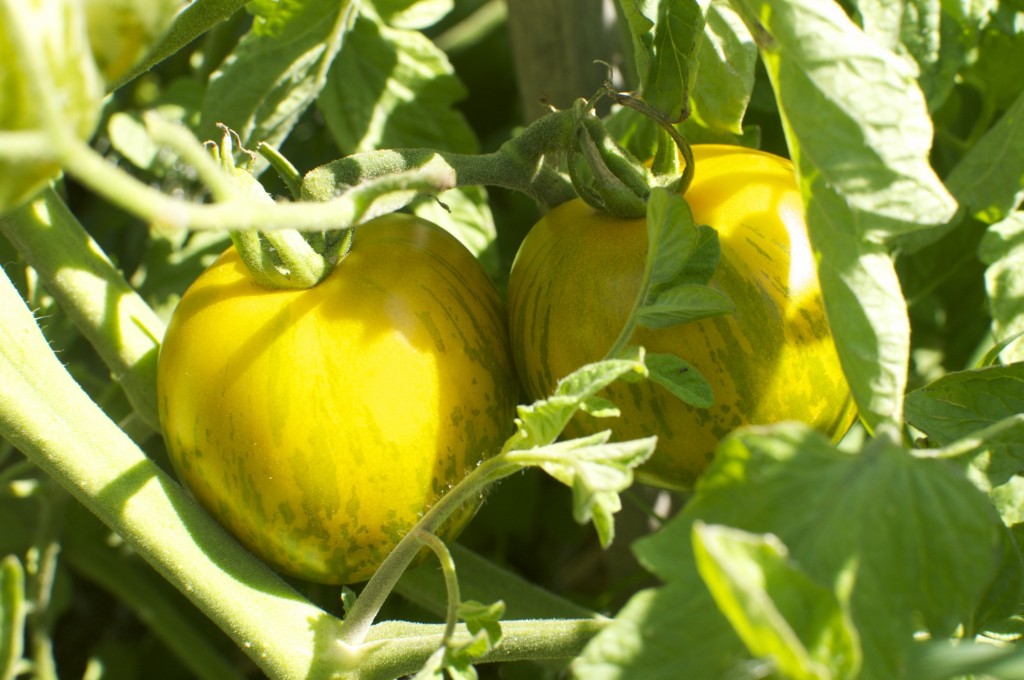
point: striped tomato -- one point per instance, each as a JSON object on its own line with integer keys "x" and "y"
{"x": 576, "y": 278}
{"x": 318, "y": 425}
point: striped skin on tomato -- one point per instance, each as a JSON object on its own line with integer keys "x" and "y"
{"x": 318, "y": 425}
{"x": 576, "y": 277}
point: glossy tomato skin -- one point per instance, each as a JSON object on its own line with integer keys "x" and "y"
{"x": 318, "y": 425}
{"x": 577, "y": 274}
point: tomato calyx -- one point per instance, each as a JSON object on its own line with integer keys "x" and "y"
{"x": 284, "y": 258}
{"x": 610, "y": 178}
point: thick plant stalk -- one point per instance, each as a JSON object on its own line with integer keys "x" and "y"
{"x": 51, "y": 420}
{"x": 118, "y": 323}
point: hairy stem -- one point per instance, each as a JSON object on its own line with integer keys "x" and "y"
{"x": 123, "y": 329}
{"x": 359, "y": 619}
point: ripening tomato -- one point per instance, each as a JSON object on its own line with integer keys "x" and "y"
{"x": 577, "y": 275}
{"x": 318, "y": 425}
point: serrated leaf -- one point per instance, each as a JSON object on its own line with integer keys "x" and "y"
{"x": 1002, "y": 248}
{"x": 989, "y": 178}
{"x": 276, "y": 70}
{"x": 682, "y": 304}
{"x": 897, "y": 533}
{"x": 725, "y": 79}
{"x": 393, "y": 88}
{"x": 934, "y": 40}
{"x": 874, "y": 151}
{"x": 541, "y": 422}
{"x": 681, "y": 378}
{"x": 597, "y": 471}
{"x": 678, "y": 32}
{"x": 779, "y": 612}
{"x": 681, "y": 257}
{"x": 599, "y": 407}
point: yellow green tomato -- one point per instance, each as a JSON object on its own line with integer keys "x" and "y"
{"x": 319, "y": 425}
{"x": 51, "y": 34}
{"x": 576, "y": 277}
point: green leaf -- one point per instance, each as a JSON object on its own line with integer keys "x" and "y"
{"x": 874, "y": 149}
{"x": 960, "y": 404}
{"x": 1002, "y": 248}
{"x": 276, "y": 70}
{"x": 866, "y": 310}
{"x": 680, "y": 259}
{"x": 597, "y": 472}
{"x": 541, "y": 422}
{"x": 934, "y": 36}
{"x": 668, "y": 633}
{"x": 892, "y": 533}
{"x": 727, "y": 56}
{"x": 944, "y": 660}
{"x": 12, "y": 616}
{"x": 393, "y": 88}
{"x": 682, "y": 304}
{"x": 666, "y": 36}
{"x": 995, "y": 453}
{"x": 412, "y": 13}
{"x": 678, "y": 33}
{"x": 778, "y": 611}
{"x": 989, "y": 179}
{"x": 681, "y": 378}
{"x": 671, "y": 234}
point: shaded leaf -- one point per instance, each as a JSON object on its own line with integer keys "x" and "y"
{"x": 1002, "y": 248}
{"x": 899, "y": 533}
{"x": 989, "y": 179}
{"x": 681, "y": 378}
{"x": 683, "y": 304}
{"x": 725, "y": 79}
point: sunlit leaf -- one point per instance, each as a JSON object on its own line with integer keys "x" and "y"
{"x": 779, "y": 612}
{"x": 1002, "y": 249}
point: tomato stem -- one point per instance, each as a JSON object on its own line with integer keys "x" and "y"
{"x": 451, "y": 581}
{"x": 360, "y": 618}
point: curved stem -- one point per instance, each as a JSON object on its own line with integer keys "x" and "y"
{"x": 360, "y": 618}
{"x": 451, "y": 581}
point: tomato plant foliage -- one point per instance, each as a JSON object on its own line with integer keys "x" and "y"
{"x": 280, "y": 126}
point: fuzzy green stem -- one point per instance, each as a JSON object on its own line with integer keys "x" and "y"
{"x": 345, "y": 210}
{"x": 519, "y": 165}
{"x": 451, "y": 581}
{"x": 404, "y": 646}
{"x": 359, "y": 619}
{"x": 118, "y": 323}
